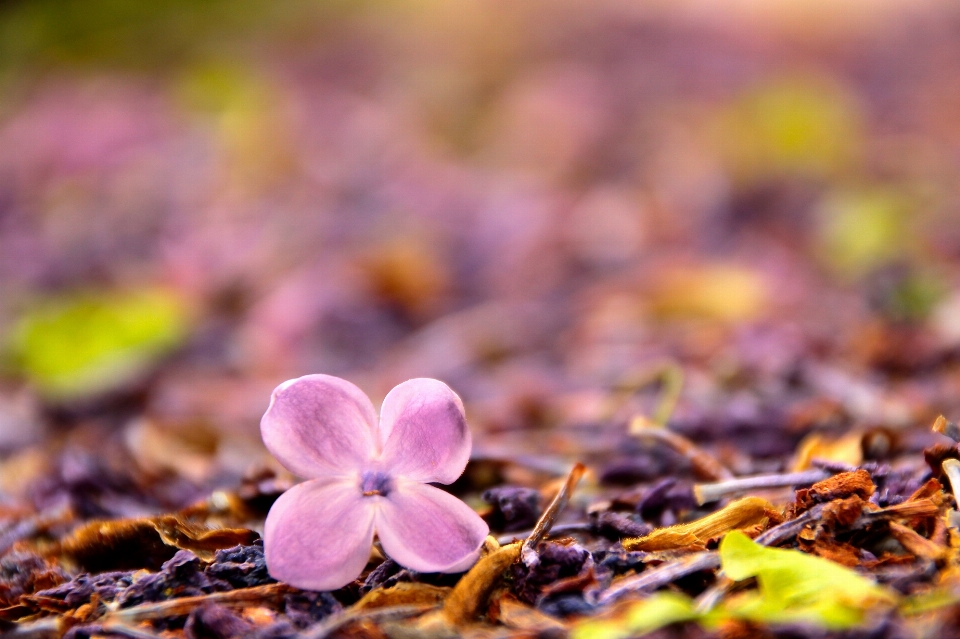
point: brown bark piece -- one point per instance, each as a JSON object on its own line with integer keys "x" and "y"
{"x": 840, "y": 486}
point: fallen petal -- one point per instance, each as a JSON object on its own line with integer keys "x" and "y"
{"x": 318, "y": 535}
{"x": 423, "y": 431}
{"x": 320, "y": 426}
{"x": 428, "y": 530}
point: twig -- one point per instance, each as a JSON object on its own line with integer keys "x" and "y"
{"x": 704, "y": 465}
{"x": 184, "y": 605}
{"x": 129, "y": 631}
{"x": 561, "y": 529}
{"x": 49, "y": 627}
{"x": 951, "y": 468}
{"x": 789, "y": 529}
{"x": 338, "y": 620}
{"x": 906, "y": 510}
{"x": 945, "y": 427}
{"x": 662, "y": 575}
{"x": 710, "y": 597}
{"x": 528, "y": 551}
{"x": 706, "y": 493}
{"x": 667, "y": 573}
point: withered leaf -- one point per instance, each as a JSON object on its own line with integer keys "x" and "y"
{"x": 839, "y": 486}
{"x": 125, "y": 544}
{"x": 404, "y": 593}
{"x": 742, "y": 513}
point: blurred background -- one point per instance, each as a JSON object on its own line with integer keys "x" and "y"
{"x": 542, "y": 203}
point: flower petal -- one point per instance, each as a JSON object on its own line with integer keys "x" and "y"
{"x": 427, "y": 530}
{"x": 424, "y": 433}
{"x": 318, "y": 535}
{"x": 320, "y": 426}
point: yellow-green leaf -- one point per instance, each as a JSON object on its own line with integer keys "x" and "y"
{"x": 794, "y": 586}
{"x": 85, "y": 343}
{"x": 657, "y": 611}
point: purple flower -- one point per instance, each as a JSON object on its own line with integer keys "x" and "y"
{"x": 367, "y": 478}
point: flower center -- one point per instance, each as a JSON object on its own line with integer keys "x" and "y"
{"x": 373, "y": 482}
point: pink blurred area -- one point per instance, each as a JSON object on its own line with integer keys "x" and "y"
{"x": 515, "y": 197}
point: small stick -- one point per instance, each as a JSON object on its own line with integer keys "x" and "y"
{"x": 562, "y": 529}
{"x": 336, "y": 621}
{"x": 789, "y": 529}
{"x": 184, "y": 605}
{"x": 650, "y": 580}
{"x": 945, "y": 427}
{"x": 710, "y": 597}
{"x": 704, "y": 465}
{"x": 917, "y": 544}
{"x": 951, "y": 468}
{"x": 706, "y": 493}
{"x": 906, "y": 510}
{"x": 49, "y": 627}
{"x": 528, "y": 551}
{"x": 129, "y": 631}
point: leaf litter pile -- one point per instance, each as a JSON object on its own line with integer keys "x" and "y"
{"x": 696, "y": 278}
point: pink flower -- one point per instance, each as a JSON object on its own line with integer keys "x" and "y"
{"x": 367, "y": 478}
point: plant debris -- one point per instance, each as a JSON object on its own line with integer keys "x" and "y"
{"x": 694, "y": 273}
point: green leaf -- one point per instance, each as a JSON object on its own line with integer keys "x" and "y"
{"x": 87, "y": 343}
{"x": 861, "y": 230}
{"x": 794, "y": 586}
{"x": 657, "y": 611}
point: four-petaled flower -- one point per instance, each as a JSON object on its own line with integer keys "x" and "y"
{"x": 367, "y": 478}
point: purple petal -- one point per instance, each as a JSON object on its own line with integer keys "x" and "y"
{"x": 427, "y": 530}
{"x": 320, "y": 426}
{"x": 424, "y": 432}
{"x": 318, "y": 535}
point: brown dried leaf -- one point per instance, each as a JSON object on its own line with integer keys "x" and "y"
{"x": 839, "y": 486}
{"x": 842, "y": 512}
{"x": 916, "y": 544}
{"x": 472, "y": 591}
{"x": 846, "y": 449}
{"x": 742, "y": 513}
{"x": 404, "y": 593}
{"x": 124, "y": 544}
{"x": 203, "y": 542}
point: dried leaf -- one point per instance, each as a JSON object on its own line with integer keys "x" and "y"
{"x": 794, "y": 586}
{"x": 402, "y": 594}
{"x": 201, "y": 541}
{"x": 639, "y": 618}
{"x": 742, "y": 513}
{"x": 839, "y": 486}
{"x": 137, "y": 543}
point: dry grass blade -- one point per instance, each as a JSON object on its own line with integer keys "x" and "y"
{"x": 660, "y": 576}
{"x": 184, "y": 605}
{"x": 472, "y": 591}
{"x": 528, "y": 552}
{"x": 704, "y": 465}
{"x": 403, "y": 594}
{"x": 945, "y": 427}
{"x": 337, "y": 621}
{"x": 706, "y": 493}
{"x": 743, "y": 513}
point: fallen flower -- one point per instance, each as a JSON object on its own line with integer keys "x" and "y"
{"x": 367, "y": 478}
